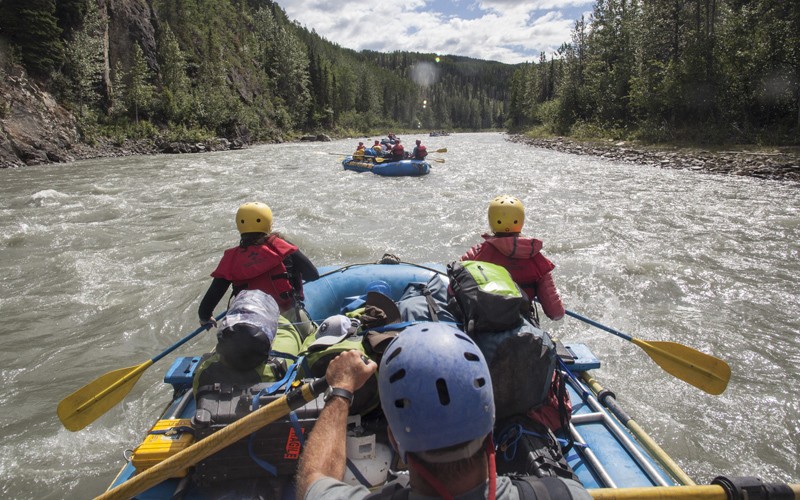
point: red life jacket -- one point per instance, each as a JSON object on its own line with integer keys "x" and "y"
{"x": 398, "y": 151}
{"x": 526, "y": 272}
{"x": 422, "y": 152}
{"x": 259, "y": 267}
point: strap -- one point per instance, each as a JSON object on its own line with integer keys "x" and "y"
{"x": 544, "y": 488}
{"x": 507, "y": 443}
{"x": 358, "y": 475}
{"x": 433, "y": 308}
{"x": 179, "y": 429}
{"x": 261, "y": 463}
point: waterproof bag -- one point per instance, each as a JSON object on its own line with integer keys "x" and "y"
{"x": 485, "y": 298}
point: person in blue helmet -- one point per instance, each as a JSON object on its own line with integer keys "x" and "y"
{"x": 436, "y": 393}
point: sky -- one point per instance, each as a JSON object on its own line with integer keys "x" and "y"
{"x": 508, "y": 31}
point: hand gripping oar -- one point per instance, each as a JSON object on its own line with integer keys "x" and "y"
{"x": 88, "y": 403}
{"x": 701, "y": 370}
{"x": 243, "y": 427}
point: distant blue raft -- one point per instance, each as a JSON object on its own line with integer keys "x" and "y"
{"x": 388, "y": 168}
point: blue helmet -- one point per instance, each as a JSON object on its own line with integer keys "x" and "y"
{"x": 435, "y": 388}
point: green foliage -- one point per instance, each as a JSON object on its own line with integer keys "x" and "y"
{"x": 138, "y": 91}
{"x": 241, "y": 70}
{"x": 84, "y": 61}
{"x": 707, "y": 70}
{"x": 32, "y": 26}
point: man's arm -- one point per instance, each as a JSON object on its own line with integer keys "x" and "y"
{"x": 325, "y": 452}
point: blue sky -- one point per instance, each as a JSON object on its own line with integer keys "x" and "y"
{"x": 509, "y": 31}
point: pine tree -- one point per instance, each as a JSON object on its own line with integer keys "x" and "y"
{"x": 139, "y": 89}
{"x": 84, "y": 60}
{"x": 33, "y": 27}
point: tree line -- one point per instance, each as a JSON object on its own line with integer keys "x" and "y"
{"x": 663, "y": 70}
{"x": 237, "y": 69}
{"x": 666, "y": 70}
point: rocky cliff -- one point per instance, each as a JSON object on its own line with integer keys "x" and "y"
{"x": 34, "y": 128}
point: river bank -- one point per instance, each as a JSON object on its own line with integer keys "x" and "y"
{"x": 778, "y": 164}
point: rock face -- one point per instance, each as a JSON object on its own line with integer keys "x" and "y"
{"x": 34, "y": 128}
{"x": 778, "y": 165}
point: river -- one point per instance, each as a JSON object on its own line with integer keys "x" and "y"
{"x": 104, "y": 263}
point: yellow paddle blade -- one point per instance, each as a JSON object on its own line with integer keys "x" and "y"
{"x": 699, "y": 369}
{"x": 378, "y": 159}
{"x": 88, "y": 403}
{"x": 442, "y": 150}
{"x": 437, "y": 160}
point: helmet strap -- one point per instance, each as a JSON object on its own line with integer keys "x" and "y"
{"x": 437, "y": 485}
{"x": 492, "y": 468}
{"x": 429, "y": 478}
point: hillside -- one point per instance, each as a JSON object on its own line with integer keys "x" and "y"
{"x": 102, "y": 75}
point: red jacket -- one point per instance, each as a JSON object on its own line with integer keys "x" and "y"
{"x": 259, "y": 267}
{"x": 527, "y": 266}
{"x": 398, "y": 151}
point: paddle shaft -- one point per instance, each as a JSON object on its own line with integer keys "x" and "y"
{"x": 701, "y": 492}
{"x": 86, "y": 404}
{"x": 599, "y": 325}
{"x": 699, "y": 369}
{"x": 144, "y": 366}
{"x": 607, "y": 399}
{"x": 204, "y": 448}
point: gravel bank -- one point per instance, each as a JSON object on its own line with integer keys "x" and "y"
{"x": 774, "y": 165}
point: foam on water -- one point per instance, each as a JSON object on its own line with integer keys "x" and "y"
{"x": 104, "y": 263}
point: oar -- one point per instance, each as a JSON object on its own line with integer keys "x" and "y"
{"x": 753, "y": 488}
{"x": 379, "y": 159}
{"x": 232, "y": 433}
{"x": 88, "y": 403}
{"x": 701, "y": 370}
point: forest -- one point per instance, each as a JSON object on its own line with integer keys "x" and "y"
{"x": 237, "y": 69}
{"x": 712, "y": 71}
{"x": 669, "y": 70}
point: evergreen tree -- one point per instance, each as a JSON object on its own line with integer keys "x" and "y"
{"x": 33, "y": 27}
{"x": 175, "y": 98}
{"x": 84, "y": 60}
{"x": 139, "y": 90}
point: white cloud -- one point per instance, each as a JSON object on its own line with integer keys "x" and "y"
{"x": 510, "y": 31}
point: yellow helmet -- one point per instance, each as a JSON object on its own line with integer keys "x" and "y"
{"x": 254, "y": 217}
{"x": 506, "y": 214}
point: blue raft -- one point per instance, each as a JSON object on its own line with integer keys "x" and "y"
{"x": 413, "y": 168}
{"x": 610, "y": 452}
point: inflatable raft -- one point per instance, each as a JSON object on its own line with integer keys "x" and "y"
{"x": 612, "y": 456}
{"x": 388, "y": 168}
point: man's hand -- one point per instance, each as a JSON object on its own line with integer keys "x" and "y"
{"x": 350, "y": 370}
{"x": 325, "y": 452}
{"x": 210, "y": 322}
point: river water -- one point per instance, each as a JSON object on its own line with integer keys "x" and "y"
{"x": 104, "y": 263}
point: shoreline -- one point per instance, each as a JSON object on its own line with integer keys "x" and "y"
{"x": 774, "y": 165}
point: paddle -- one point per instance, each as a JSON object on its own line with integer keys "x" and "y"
{"x": 701, "y": 370}
{"x": 441, "y": 150}
{"x": 754, "y": 489}
{"x": 243, "y": 427}
{"x": 88, "y": 403}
